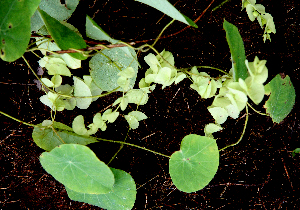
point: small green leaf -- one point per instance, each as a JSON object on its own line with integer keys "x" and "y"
{"x": 219, "y": 114}
{"x": 255, "y": 90}
{"x": 78, "y": 168}
{"x": 295, "y": 151}
{"x": 165, "y": 7}
{"x": 57, "y": 80}
{"x": 110, "y": 116}
{"x": 64, "y": 37}
{"x": 106, "y": 66}
{"x": 80, "y": 129}
{"x": 134, "y": 117}
{"x": 163, "y": 76}
{"x": 237, "y": 50}
{"x": 211, "y": 128}
{"x": 99, "y": 122}
{"x": 55, "y": 66}
{"x": 132, "y": 121}
{"x": 82, "y": 90}
{"x": 94, "y": 31}
{"x": 15, "y": 27}
{"x": 137, "y": 96}
{"x": 127, "y": 73}
{"x": 122, "y": 196}
{"x": 195, "y": 164}
{"x": 47, "y": 82}
{"x": 71, "y": 62}
{"x": 282, "y": 98}
{"x": 47, "y": 139}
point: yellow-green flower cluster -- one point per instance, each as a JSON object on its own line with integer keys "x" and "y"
{"x": 265, "y": 20}
{"x": 233, "y": 96}
{"x": 162, "y": 70}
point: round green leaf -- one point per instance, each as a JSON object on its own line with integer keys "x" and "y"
{"x": 106, "y": 66}
{"x": 78, "y": 168}
{"x": 15, "y": 27}
{"x": 122, "y": 196}
{"x": 195, "y": 164}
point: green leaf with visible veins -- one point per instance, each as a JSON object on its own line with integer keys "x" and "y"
{"x": 282, "y": 98}
{"x": 78, "y": 168}
{"x": 195, "y": 164}
{"x": 122, "y": 196}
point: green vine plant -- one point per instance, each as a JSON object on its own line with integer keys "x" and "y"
{"x": 114, "y": 68}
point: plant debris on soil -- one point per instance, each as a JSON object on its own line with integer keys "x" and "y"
{"x": 258, "y": 173}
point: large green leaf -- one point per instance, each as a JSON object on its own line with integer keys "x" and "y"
{"x": 47, "y": 138}
{"x": 78, "y": 168}
{"x": 195, "y": 164}
{"x": 167, "y": 8}
{"x": 237, "y": 51}
{"x": 122, "y": 196}
{"x": 15, "y": 27}
{"x": 94, "y": 31}
{"x": 282, "y": 98}
{"x": 56, "y": 9}
{"x": 104, "y": 67}
{"x": 64, "y": 37}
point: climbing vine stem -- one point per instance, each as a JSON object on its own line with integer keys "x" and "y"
{"x": 246, "y": 121}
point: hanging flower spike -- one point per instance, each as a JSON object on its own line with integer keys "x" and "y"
{"x": 270, "y": 26}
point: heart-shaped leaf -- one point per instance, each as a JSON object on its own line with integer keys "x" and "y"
{"x": 195, "y": 164}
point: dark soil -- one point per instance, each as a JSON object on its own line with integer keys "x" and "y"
{"x": 258, "y": 173}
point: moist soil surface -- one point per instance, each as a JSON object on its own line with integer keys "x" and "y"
{"x": 258, "y": 173}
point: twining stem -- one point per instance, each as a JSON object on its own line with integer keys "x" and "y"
{"x": 258, "y": 112}
{"x": 118, "y": 142}
{"x": 132, "y": 145}
{"x": 210, "y": 67}
{"x": 220, "y": 5}
{"x": 246, "y": 121}
{"x": 158, "y": 37}
{"x": 121, "y": 147}
{"x": 20, "y": 121}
